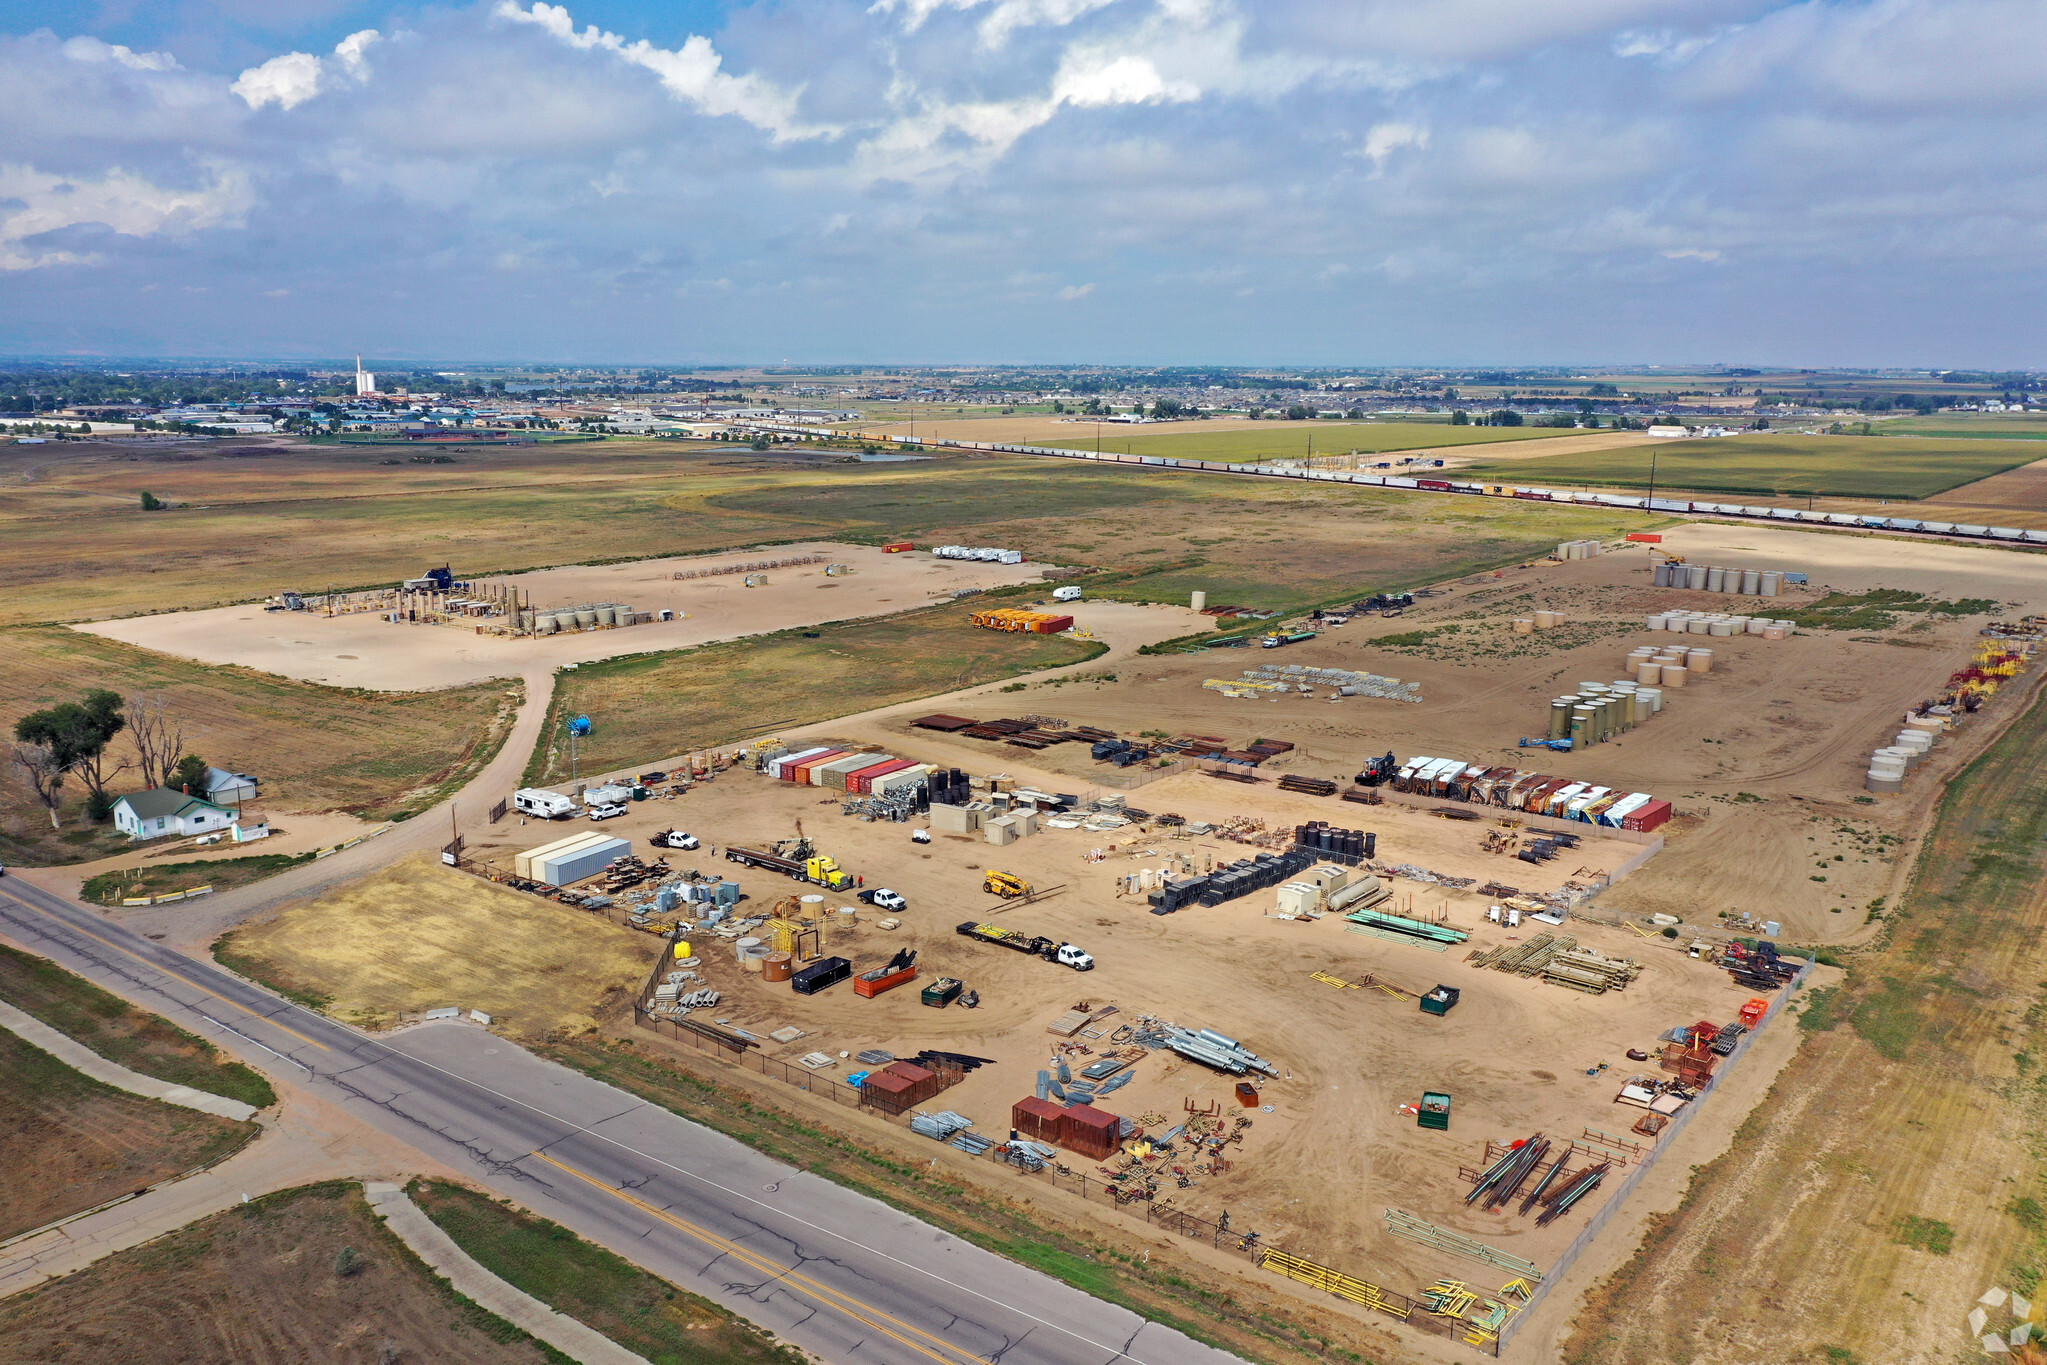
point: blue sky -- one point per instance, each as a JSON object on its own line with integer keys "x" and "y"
{"x": 1214, "y": 181}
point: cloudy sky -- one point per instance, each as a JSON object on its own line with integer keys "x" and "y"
{"x": 1223, "y": 181}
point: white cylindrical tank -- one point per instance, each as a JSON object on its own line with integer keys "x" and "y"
{"x": 1653, "y": 696}
{"x": 1698, "y": 625}
{"x": 1695, "y": 575}
{"x": 1197, "y": 599}
{"x": 1770, "y": 582}
{"x": 1720, "y": 628}
{"x": 1751, "y": 582}
{"x": 1716, "y": 578}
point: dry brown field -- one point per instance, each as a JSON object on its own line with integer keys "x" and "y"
{"x": 68, "y": 1142}
{"x": 316, "y": 748}
{"x": 1894, "y": 1173}
{"x": 257, "y": 1285}
{"x": 419, "y": 936}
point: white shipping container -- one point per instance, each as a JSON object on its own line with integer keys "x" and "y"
{"x": 575, "y": 864}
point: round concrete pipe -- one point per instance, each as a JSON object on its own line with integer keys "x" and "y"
{"x": 1751, "y": 582}
{"x": 1716, "y": 578}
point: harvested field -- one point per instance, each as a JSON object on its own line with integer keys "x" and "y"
{"x": 675, "y": 702}
{"x": 2003, "y": 426}
{"x": 306, "y": 517}
{"x": 1895, "y": 1171}
{"x": 1238, "y": 442}
{"x": 316, "y": 748}
{"x": 116, "y": 1030}
{"x": 642, "y": 1313}
{"x": 1763, "y": 464}
{"x": 68, "y": 1143}
{"x": 258, "y": 1285}
{"x": 418, "y": 936}
{"x": 1165, "y": 533}
{"x": 2023, "y": 489}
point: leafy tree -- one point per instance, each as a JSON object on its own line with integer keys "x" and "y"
{"x": 77, "y": 734}
{"x": 1505, "y": 417}
{"x": 152, "y": 503}
{"x": 1168, "y": 407}
{"x": 190, "y": 774}
{"x": 1460, "y": 418}
{"x": 1299, "y": 412}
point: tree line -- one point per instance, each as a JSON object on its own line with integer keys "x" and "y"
{"x": 73, "y": 738}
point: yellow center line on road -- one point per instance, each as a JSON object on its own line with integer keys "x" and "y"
{"x": 864, "y": 1313}
{"x": 159, "y": 967}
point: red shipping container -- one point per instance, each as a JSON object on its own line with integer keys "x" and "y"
{"x": 1646, "y": 818}
{"x": 898, "y": 548}
{"x": 863, "y": 781}
{"x": 1092, "y": 1132}
{"x": 1038, "y": 1120}
{"x": 1645, "y": 537}
{"x": 1052, "y": 625}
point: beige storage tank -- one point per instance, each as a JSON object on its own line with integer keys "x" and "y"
{"x": 1773, "y": 632}
{"x": 1720, "y": 628}
{"x": 1698, "y": 625}
{"x": 1197, "y": 599}
{"x": 1716, "y": 578}
{"x": 1700, "y": 661}
{"x": 1673, "y": 676}
{"x": 1524, "y": 625}
{"x": 1756, "y": 625}
{"x": 1545, "y": 619}
{"x": 586, "y": 617}
{"x": 607, "y": 616}
{"x": 1560, "y": 717}
{"x": 1648, "y": 673}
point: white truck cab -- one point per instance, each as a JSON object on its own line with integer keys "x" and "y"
{"x": 1070, "y": 956}
{"x": 545, "y": 805}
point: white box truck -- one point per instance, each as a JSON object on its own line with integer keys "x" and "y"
{"x": 544, "y": 805}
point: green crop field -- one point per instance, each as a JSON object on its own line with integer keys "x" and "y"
{"x": 1997, "y": 426}
{"x": 1833, "y": 466}
{"x": 1247, "y": 442}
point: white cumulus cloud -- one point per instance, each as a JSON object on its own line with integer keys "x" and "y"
{"x": 692, "y": 72}
{"x": 290, "y": 80}
{"x": 120, "y": 200}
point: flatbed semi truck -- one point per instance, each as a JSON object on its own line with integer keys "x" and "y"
{"x": 820, "y": 871}
{"x": 1065, "y": 954}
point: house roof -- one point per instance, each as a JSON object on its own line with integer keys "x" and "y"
{"x": 160, "y": 802}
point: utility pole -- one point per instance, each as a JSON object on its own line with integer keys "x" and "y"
{"x": 1652, "y": 479}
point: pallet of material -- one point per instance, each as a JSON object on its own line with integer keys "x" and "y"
{"x": 1307, "y": 786}
{"x": 1363, "y": 796}
{"x": 1091, "y": 733}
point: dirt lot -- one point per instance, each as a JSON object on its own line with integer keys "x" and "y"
{"x": 316, "y": 748}
{"x": 67, "y": 1142}
{"x": 257, "y": 1285}
{"x": 1763, "y": 757}
{"x": 1223, "y": 968}
{"x": 366, "y": 651}
{"x": 419, "y": 936}
{"x": 1896, "y": 1173}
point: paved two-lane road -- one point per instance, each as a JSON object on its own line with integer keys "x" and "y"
{"x": 830, "y": 1271}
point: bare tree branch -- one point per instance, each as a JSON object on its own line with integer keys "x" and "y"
{"x": 159, "y": 737}
{"x": 39, "y": 763}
